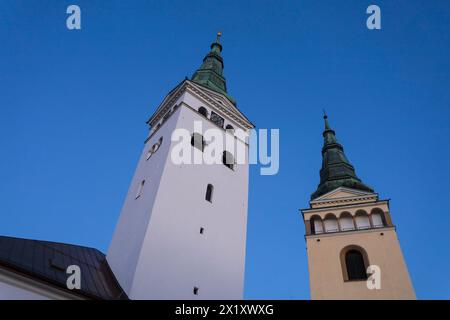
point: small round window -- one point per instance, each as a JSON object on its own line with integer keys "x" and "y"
{"x": 154, "y": 148}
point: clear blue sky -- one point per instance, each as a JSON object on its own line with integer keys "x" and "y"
{"x": 73, "y": 106}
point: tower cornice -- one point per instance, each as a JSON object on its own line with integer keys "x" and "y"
{"x": 215, "y": 100}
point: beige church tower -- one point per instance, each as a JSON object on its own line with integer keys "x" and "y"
{"x": 352, "y": 244}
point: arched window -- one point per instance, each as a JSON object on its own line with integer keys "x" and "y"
{"x": 316, "y": 225}
{"x": 377, "y": 217}
{"x": 140, "y": 189}
{"x": 355, "y": 266}
{"x": 362, "y": 220}
{"x": 218, "y": 120}
{"x": 229, "y": 127}
{"x": 346, "y": 221}
{"x": 228, "y": 160}
{"x": 330, "y": 223}
{"x": 203, "y": 111}
{"x": 197, "y": 141}
{"x": 209, "y": 192}
{"x": 157, "y": 145}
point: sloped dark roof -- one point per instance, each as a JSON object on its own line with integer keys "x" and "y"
{"x": 210, "y": 73}
{"x": 336, "y": 170}
{"x": 48, "y": 261}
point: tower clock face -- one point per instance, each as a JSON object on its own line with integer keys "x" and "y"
{"x": 218, "y": 120}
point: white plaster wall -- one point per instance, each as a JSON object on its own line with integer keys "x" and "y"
{"x": 14, "y": 286}
{"x": 157, "y": 251}
{"x": 133, "y": 222}
{"x": 11, "y": 292}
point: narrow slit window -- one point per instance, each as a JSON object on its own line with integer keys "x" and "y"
{"x": 209, "y": 192}
{"x": 202, "y": 230}
{"x": 140, "y": 189}
{"x": 149, "y": 154}
{"x": 195, "y": 290}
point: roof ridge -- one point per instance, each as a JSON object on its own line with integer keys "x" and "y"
{"x": 54, "y": 242}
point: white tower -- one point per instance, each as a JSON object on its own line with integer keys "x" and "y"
{"x": 182, "y": 230}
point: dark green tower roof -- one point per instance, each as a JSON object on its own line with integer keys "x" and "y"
{"x": 336, "y": 169}
{"x": 210, "y": 73}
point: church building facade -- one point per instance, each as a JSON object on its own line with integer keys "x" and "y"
{"x": 182, "y": 229}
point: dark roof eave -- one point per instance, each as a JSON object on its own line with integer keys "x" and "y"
{"x": 19, "y": 255}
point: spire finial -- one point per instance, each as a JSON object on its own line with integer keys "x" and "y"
{"x": 216, "y": 46}
{"x": 325, "y": 117}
